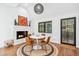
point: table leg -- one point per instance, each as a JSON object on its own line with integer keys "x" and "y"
{"x": 37, "y": 44}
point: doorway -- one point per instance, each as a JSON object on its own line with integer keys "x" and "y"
{"x": 68, "y": 31}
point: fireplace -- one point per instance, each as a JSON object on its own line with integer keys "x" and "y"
{"x": 21, "y": 34}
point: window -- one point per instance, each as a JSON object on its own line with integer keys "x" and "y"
{"x": 48, "y": 27}
{"x": 45, "y": 27}
{"x": 41, "y": 27}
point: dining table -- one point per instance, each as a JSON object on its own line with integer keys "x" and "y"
{"x": 37, "y": 38}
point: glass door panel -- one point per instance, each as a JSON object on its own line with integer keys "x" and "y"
{"x": 68, "y": 31}
{"x": 64, "y": 31}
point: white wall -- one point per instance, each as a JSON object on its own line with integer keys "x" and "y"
{"x": 7, "y": 28}
{"x": 56, "y": 35}
{"x": 7, "y": 16}
{"x": 55, "y": 12}
{"x": 77, "y": 31}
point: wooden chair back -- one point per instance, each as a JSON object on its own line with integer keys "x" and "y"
{"x": 48, "y": 40}
{"x": 29, "y": 41}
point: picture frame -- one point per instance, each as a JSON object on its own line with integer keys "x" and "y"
{"x": 22, "y": 21}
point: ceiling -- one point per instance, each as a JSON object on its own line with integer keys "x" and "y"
{"x": 50, "y": 9}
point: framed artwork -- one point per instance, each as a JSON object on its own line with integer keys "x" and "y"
{"x": 22, "y": 21}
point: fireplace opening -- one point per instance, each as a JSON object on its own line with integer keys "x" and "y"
{"x": 22, "y": 34}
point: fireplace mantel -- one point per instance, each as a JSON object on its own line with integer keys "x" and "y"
{"x": 20, "y": 28}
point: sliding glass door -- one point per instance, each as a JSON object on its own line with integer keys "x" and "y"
{"x": 68, "y": 31}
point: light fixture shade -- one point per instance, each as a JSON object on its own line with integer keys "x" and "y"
{"x": 38, "y": 8}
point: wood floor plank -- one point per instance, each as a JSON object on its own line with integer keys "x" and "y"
{"x": 64, "y": 50}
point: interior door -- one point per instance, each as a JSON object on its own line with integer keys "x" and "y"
{"x": 68, "y": 31}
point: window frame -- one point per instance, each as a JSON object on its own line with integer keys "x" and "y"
{"x": 44, "y": 27}
{"x": 39, "y": 27}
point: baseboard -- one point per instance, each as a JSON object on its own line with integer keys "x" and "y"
{"x": 2, "y": 46}
{"x": 77, "y": 46}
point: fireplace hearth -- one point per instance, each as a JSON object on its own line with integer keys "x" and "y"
{"x": 21, "y": 34}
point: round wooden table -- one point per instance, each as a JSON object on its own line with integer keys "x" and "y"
{"x": 37, "y": 46}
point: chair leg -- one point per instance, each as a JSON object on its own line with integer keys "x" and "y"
{"x": 42, "y": 46}
{"x": 31, "y": 49}
{"x": 45, "y": 49}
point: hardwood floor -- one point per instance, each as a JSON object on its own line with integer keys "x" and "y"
{"x": 67, "y": 50}
{"x": 64, "y": 50}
